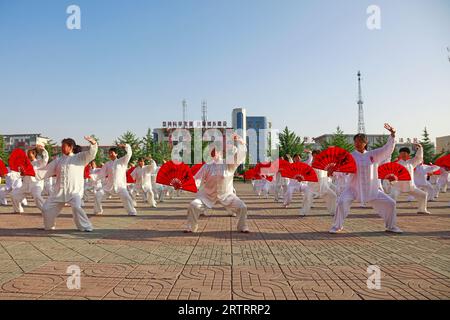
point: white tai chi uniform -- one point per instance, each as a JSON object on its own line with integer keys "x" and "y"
{"x": 69, "y": 187}
{"x": 31, "y": 185}
{"x": 363, "y": 186}
{"x": 143, "y": 178}
{"x": 115, "y": 183}
{"x": 322, "y": 187}
{"x": 216, "y": 186}
{"x": 409, "y": 186}
{"x": 420, "y": 179}
{"x": 296, "y": 186}
{"x": 281, "y": 184}
{"x": 13, "y": 181}
{"x": 92, "y": 184}
{"x": 442, "y": 182}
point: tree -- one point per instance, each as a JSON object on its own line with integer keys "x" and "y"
{"x": 135, "y": 143}
{"x": 51, "y": 146}
{"x": 162, "y": 151}
{"x": 3, "y": 154}
{"x": 148, "y": 145}
{"x": 100, "y": 157}
{"x": 428, "y": 147}
{"x": 290, "y": 143}
{"x": 338, "y": 139}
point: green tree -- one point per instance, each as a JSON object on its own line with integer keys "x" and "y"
{"x": 51, "y": 148}
{"x": 162, "y": 151}
{"x": 148, "y": 145}
{"x": 290, "y": 143}
{"x": 3, "y": 154}
{"x": 429, "y": 151}
{"x": 338, "y": 139}
{"x": 135, "y": 143}
{"x": 100, "y": 157}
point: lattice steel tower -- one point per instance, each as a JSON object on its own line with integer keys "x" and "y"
{"x": 361, "y": 126}
{"x": 204, "y": 110}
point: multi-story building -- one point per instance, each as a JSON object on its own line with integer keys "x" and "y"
{"x": 443, "y": 144}
{"x": 25, "y": 140}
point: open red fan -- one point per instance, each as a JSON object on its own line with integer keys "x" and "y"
{"x": 250, "y": 174}
{"x": 178, "y": 176}
{"x": 335, "y": 159}
{"x": 196, "y": 168}
{"x": 3, "y": 169}
{"x": 129, "y": 177}
{"x": 443, "y": 161}
{"x": 87, "y": 172}
{"x": 19, "y": 162}
{"x": 300, "y": 171}
{"x": 393, "y": 171}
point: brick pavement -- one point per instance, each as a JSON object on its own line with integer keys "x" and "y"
{"x": 285, "y": 256}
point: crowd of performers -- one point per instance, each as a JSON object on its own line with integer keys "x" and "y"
{"x": 74, "y": 178}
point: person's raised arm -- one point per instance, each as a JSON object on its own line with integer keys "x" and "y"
{"x": 127, "y": 157}
{"x": 418, "y": 158}
{"x": 240, "y": 154}
{"x": 83, "y": 158}
{"x": 385, "y": 151}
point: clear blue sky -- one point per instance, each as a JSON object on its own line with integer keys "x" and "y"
{"x": 294, "y": 61}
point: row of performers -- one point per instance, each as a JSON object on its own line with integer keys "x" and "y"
{"x": 213, "y": 184}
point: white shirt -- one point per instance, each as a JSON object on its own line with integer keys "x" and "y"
{"x": 114, "y": 172}
{"x": 143, "y": 176}
{"x": 421, "y": 172}
{"x": 364, "y": 183}
{"x": 407, "y": 186}
{"x": 69, "y": 171}
{"x": 216, "y": 183}
{"x": 38, "y": 164}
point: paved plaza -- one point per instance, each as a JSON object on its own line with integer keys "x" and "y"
{"x": 285, "y": 256}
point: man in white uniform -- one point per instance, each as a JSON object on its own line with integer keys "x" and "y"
{"x": 69, "y": 184}
{"x": 115, "y": 181}
{"x": 363, "y": 186}
{"x": 294, "y": 185}
{"x": 216, "y": 186}
{"x": 420, "y": 179}
{"x": 409, "y": 186}
{"x": 442, "y": 181}
{"x": 31, "y": 185}
{"x": 142, "y": 174}
{"x": 13, "y": 181}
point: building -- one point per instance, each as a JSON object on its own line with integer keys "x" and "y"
{"x": 24, "y": 141}
{"x": 255, "y": 130}
{"x": 316, "y": 143}
{"x": 443, "y": 144}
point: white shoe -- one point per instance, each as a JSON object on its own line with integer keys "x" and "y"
{"x": 50, "y": 229}
{"x": 394, "y": 230}
{"x": 98, "y": 213}
{"x": 245, "y": 230}
{"x": 424, "y": 212}
{"x": 132, "y": 214}
{"x": 335, "y": 230}
{"x": 189, "y": 229}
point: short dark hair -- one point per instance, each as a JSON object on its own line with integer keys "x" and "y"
{"x": 314, "y": 152}
{"x": 69, "y": 141}
{"x": 405, "y": 149}
{"x": 361, "y": 136}
{"x": 113, "y": 149}
{"x": 141, "y": 159}
{"x": 77, "y": 149}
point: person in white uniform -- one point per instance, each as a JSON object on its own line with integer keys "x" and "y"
{"x": 322, "y": 188}
{"x": 115, "y": 181}
{"x": 363, "y": 186}
{"x": 442, "y": 181}
{"x": 69, "y": 184}
{"x": 142, "y": 174}
{"x": 31, "y": 185}
{"x": 420, "y": 179}
{"x": 409, "y": 187}
{"x": 295, "y": 185}
{"x": 13, "y": 181}
{"x": 216, "y": 186}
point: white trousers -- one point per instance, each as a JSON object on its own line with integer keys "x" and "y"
{"x": 291, "y": 188}
{"x": 430, "y": 189}
{"x": 327, "y": 194}
{"x": 51, "y": 209}
{"x": 442, "y": 185}
{"x": 383, "y": 205}
{"x": 418, "y": 194}
{"x": 122, "y": 193}
{"x": 19, "y": 194}
{"x": 236, "y": 205}
{"x": 148, "y": 196}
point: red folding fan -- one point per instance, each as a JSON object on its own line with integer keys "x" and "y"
{"x": 443, "y": 161}
{"x": 393, "y": 171}
{"x": 250, "y": 174}
{"x": 300, "y": 171}
{"x": 3, "y": 169}
{"x": 335, "y": 159}
{"x": 196, "y": 168}
{"x": 178, "y": 176}
{"x": 87, "y": 172}
{"x": 19, "y": 162}
{"x": 129, "y": 177}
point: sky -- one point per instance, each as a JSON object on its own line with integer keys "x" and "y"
{"x": 294, "y": 61}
